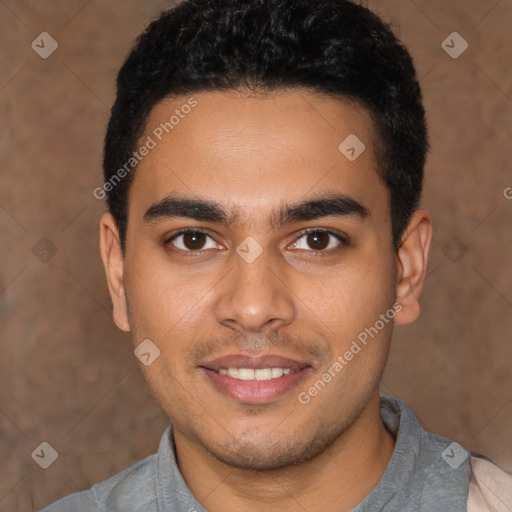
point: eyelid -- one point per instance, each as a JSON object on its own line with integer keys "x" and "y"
{"x": 342, "y": 238}
{"x": 169, "y": 239}
{"x": 188, "y": 230}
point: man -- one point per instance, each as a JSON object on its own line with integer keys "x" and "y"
{"x": 263, "y": 171}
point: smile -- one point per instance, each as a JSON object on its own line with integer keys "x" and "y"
{"x": 257, "y": 374}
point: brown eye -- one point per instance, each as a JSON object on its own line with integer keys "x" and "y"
{"x": 318, "y": 240}
{"x": 194, "y": 240}
{"x": 321, "y": 241}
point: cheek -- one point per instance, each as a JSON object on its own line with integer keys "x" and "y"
{"x": 162, "y": 296}
{"x": 352, "y": 296}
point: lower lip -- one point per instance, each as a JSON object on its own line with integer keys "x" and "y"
{"x": 255, "y": 391}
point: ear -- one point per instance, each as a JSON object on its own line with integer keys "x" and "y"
{"x": 113, "y": 261}
{"x": 412, "y": 262}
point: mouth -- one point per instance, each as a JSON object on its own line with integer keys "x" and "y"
{"x": 258, "y": 374}
{"x": 255, "y": 380}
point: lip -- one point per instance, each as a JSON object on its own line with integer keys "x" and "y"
{"x": 253, "y": 361}
{"x": 252, "y": 391}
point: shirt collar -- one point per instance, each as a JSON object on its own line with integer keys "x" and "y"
{"x": 417, "y": 477}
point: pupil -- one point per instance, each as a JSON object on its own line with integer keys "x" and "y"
{"x": 194, "y": 240}
{"x": 318, "y": 240}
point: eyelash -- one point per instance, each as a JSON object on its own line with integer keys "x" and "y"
{"x": 335, "y": 234}
{"x": 184, "y": 232}
{"x": 338, "y": 236}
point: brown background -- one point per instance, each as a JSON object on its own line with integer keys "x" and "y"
{"x": 69, "y": 377}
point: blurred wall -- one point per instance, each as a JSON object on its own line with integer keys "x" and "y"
{"x": 68, "y": 376}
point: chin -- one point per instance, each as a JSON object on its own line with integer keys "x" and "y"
{"x": 250, "y": 458}
{"x": 267, "y": 455}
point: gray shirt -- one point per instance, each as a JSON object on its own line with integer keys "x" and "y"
{"x": 426, "y": 473}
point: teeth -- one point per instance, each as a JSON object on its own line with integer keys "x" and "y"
{"x": 233, "y": 372}
{"x": 244, "y": 373}
{"x": 263, "y": 374}
{"x": 277, "y": 372}
{"x": 255, "y": 374}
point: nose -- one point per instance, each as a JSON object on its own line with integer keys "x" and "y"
{"x": 254, "y": 297}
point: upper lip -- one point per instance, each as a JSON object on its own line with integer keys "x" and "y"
{"x": 254, "y": 361}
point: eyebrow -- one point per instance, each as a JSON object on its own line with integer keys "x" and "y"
{"x": 338, "y": 205}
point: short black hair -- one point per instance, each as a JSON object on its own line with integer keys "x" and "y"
{"x": 332, "y": 47}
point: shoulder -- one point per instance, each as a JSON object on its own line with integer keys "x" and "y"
{"x": 490, "y": 488}
{"x": 132, "y": 489}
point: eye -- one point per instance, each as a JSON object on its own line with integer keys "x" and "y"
{"x": 319, "y": 241}
{"x": 192, "y": 241}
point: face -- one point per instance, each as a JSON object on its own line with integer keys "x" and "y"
{"x": 257, "y": 254}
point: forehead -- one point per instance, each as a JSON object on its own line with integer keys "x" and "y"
{"x": 258, "y": 152}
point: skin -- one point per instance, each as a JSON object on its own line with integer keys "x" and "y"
{"x": 253, "y": 155}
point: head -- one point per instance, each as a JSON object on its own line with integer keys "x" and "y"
{"x": 264, "y": 164}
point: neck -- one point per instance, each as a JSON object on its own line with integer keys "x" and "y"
{"x": 337, "y": 479}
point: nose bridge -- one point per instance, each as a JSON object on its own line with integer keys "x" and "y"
{"x": 254, "y": 296}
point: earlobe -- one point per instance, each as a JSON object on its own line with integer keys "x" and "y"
{"x": 113, "y": 261}
{"x": 412, "y": 263}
